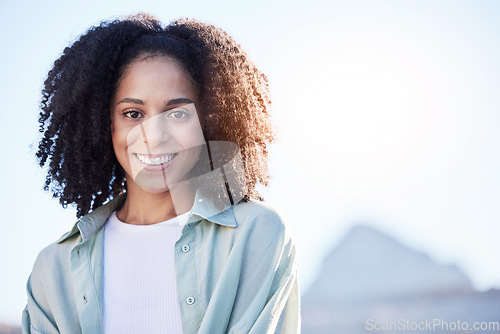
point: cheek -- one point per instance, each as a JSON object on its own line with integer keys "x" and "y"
{"x": 114, "y": 134}
{"x": 119, "y": 139}
{"x": 196, "y": 136}
{"x": 187, "y": 136}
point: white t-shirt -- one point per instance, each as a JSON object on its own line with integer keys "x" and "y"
{"x": 140, "y": 291}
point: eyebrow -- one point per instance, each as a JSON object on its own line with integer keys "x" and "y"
{"x": 179, "y": 101}
{"x": 131, "y": 100}
{"x": 169, "y": 103}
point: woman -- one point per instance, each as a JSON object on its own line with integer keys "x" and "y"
{"x": 159, "y": 136}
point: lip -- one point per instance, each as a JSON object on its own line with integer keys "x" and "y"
{"x": 155, "y": 167}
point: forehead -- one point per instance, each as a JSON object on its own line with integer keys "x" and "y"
{"x": 155, "y": 76}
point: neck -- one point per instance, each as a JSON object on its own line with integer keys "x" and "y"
{"x": 145, "y": 208}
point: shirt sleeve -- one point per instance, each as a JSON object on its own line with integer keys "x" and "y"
{"x": 35, "y": 317}
{"x": 281, "y": 313}
{"x": 267, "y": 299}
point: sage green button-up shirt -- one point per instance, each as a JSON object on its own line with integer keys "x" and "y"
{"x": 235, "y": 272}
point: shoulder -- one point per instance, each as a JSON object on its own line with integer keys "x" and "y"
{"x": 54, "y": 258}
{"x": 263, "y": 221}
{"x": 264, "y": 237}
{"x": 258, "y": 212}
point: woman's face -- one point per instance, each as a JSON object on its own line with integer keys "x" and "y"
{"x": 154, "y": 124}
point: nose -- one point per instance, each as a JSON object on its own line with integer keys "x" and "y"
{"x": 155, "y": 132}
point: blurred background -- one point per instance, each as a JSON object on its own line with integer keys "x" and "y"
{"x": 387, "y": 162}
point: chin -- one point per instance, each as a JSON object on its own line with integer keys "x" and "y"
{"x": 155, "y": 190}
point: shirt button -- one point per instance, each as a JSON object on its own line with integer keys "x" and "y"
{"x": 190, "y": 300}
{"x": 185, "y": 248}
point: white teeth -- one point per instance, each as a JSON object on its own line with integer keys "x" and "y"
{"x": 155, "y": 161}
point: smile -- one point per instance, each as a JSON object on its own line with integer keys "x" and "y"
{"x": 156, "y": 160}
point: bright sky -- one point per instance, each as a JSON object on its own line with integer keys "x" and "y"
{"x": 387, "y": 114}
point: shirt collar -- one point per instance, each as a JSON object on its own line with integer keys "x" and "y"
{"x": 217, "y": 212}
{"x": 94, "y": 221}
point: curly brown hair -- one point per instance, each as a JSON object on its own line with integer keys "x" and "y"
{"x": 75, "y": 116}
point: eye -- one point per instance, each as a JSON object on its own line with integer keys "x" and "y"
{"x": 132, "y": 114}
{"x": 177, "y": 114}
